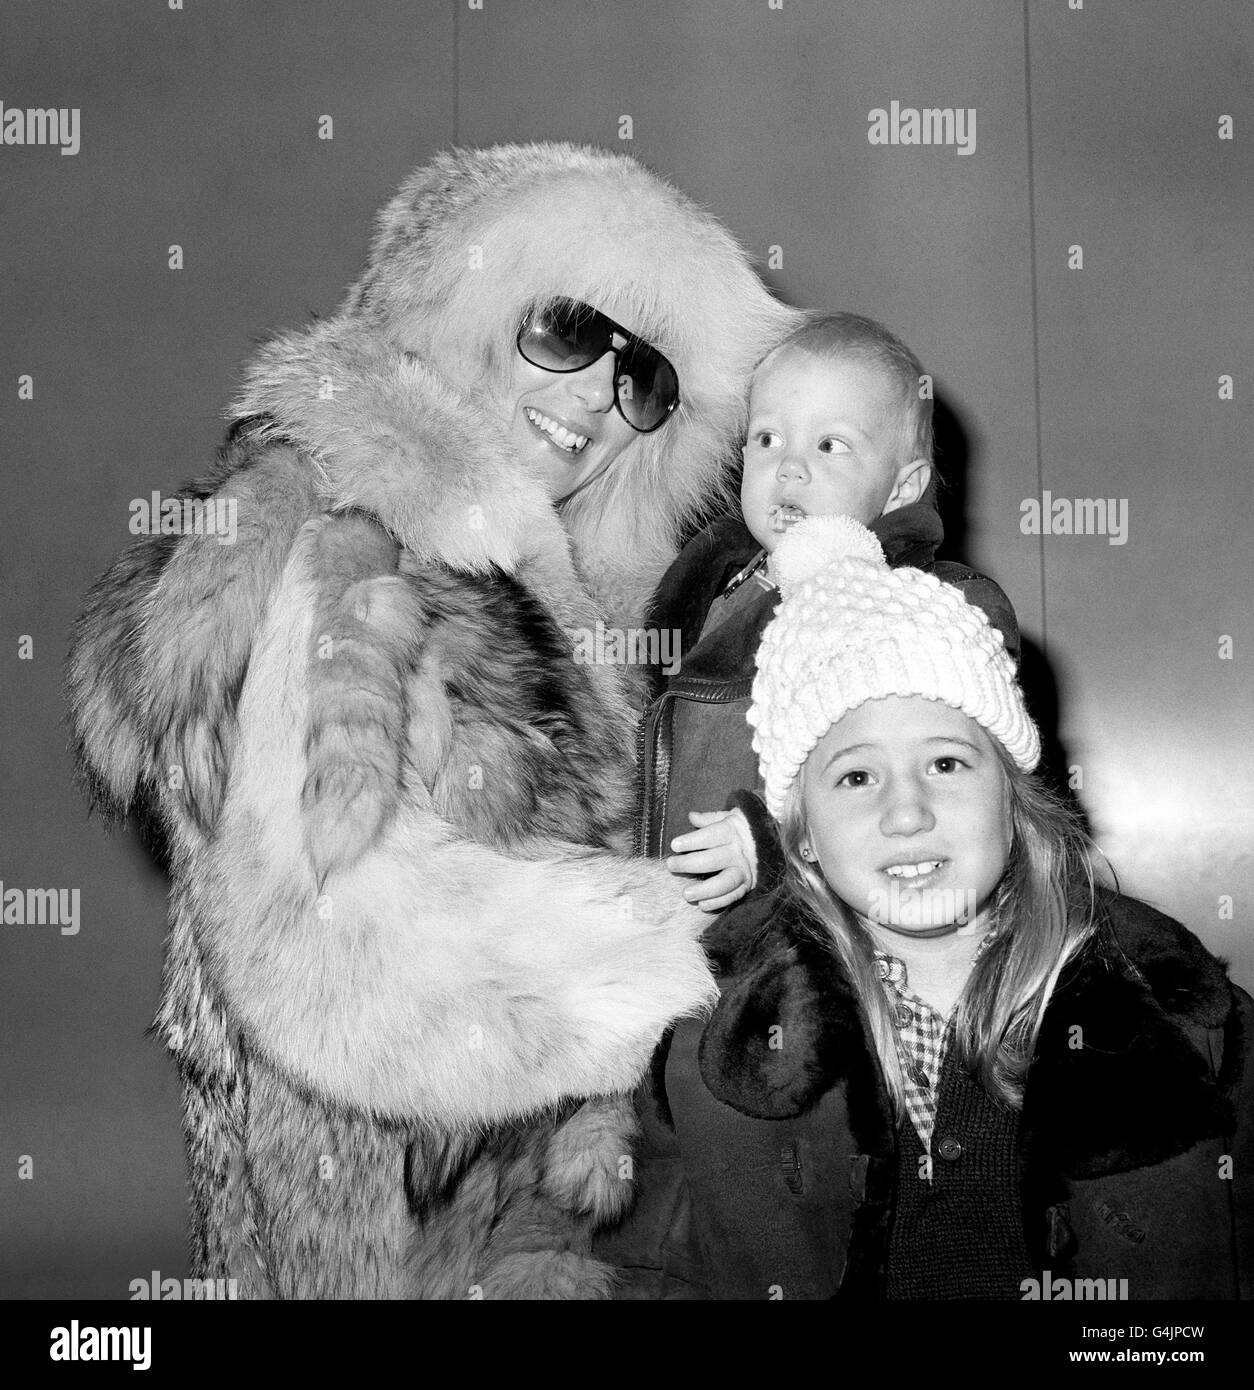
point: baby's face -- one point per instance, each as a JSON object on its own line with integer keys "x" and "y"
{"x": 823, "y": 439}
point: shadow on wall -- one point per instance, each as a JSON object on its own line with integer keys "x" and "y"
{"x": 146, "y": 840}
{"x": 956, "y": 446}
{"x": 1037, "y": 675}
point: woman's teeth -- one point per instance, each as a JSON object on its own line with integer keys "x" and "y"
{"x": 562, "y": 437}
{"x": 914, "y": 870}
{"x": 782, "y": 516}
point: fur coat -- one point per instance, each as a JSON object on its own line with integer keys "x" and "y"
{"x": 409, "y": 966}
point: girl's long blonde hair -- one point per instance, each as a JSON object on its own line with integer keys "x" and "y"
{"x": 1045, "y": 906}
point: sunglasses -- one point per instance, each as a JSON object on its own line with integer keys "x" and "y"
{"x": 567, "y": 336}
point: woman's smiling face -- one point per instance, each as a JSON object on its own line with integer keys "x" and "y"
{"x": 563, "y": 425}
{"x": 908, "y": 814}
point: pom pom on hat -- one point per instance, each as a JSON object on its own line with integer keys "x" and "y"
{"x": 849, "y": 629}
{"x": 817, "y": 542}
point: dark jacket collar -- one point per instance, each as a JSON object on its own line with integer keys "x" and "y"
{"x": 1128, "y": 1089}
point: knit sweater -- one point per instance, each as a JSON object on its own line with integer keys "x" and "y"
{"x": 960, "y": 1235}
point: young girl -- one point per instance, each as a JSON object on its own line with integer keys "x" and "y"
{"x": 946, "y": 1063}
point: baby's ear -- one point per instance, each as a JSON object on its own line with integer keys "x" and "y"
{"x": 912, "y": 481}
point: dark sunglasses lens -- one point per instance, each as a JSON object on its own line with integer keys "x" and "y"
{"x": 564, "y": 337}
{"x": 648, "y": 388}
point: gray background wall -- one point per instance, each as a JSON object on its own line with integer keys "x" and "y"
{"x": 1095, "y": 127}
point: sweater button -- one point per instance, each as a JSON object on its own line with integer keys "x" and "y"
{"x": 950, "y": 1149}
{"x": 905, "y": 1015}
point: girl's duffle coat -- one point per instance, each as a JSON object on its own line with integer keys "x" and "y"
{"x": 769, "y": 1164}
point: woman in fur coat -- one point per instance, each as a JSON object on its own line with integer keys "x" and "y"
{"x": 406, "y": 945}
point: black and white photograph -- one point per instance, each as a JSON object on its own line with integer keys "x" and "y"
{"x": 626, "y": 667}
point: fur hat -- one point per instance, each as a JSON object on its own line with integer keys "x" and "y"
{"x": 477, "y": 237}
{"x": 849, "y": 629}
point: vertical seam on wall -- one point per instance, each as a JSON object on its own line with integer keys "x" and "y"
{"x": 457, "y": 72}
{"x": 1036, "y": 323}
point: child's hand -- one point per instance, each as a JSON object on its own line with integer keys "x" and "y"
{"x": 722, "y": 846}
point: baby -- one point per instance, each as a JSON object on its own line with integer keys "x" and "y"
{"x": 840, "y": 422}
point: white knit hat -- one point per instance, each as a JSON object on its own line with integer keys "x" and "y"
{"x": 849, "y": 629}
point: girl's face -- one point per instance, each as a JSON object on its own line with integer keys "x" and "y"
{"x": 908, "y": 810}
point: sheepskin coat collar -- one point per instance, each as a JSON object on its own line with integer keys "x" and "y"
{"x": 1129, "y": 1089}
{"x": 770, "y": 1164}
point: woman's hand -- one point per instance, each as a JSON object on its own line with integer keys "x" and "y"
{"x": 722, "y": 846}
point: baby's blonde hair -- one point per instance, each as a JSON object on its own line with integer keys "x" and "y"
{"x": 845, "y": 336}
